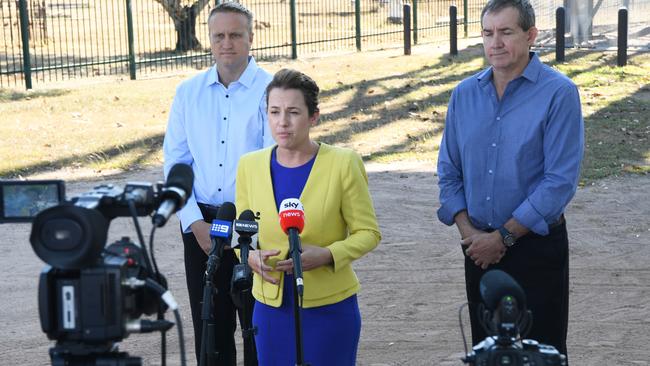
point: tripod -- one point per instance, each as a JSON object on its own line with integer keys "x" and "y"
{"x": 208, "y": 355}
{"x": 242, "y": 283}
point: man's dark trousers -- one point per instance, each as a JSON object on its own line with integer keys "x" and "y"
{"x": 224, "y": 309}
{"x": 540, "y": 264}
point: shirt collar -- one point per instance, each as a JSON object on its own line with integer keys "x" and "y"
{"x": 531, "y": 72}
{"x": 246, "y": 78}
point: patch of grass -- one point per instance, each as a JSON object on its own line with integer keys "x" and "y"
{"x": 616, "y": 108}
{"x": 386, "y": 106}
{"x": 118, "y": 125}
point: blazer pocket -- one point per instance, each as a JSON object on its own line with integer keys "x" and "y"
{"x": 264, "y": 290}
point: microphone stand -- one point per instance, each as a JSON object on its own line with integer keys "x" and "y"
{"x": 245, "y": 296}
{"x": 295, "y": 249}
{"x": 208, "y": 355}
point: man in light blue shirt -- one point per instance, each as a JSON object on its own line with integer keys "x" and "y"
{"x": 216, "y": 117}
{"x": 508, "y": 166}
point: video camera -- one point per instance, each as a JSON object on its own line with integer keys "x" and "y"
{"x": 90, "y": 296}
{"x": 505, "y": 317}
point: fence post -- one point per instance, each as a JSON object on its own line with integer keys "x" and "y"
{"x": 465, "y": 15}
{"x": 453, "y": 30}
{"x": 415, "y": 21}
{"x": 567, "y": 4}
{"x": 622, "y": 37}
{"x": 357, "y": 23}
{"x": 294, "y": 38}
{"x": 24, "y": 32}
{"x": 407, "y": 29}
{"x": 560, "y": 31}
{"x": 129, "y": 32}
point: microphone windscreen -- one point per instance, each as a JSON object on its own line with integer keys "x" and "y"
{"x": 247, "y": 215}
{"x": 227, "y": 212}
{"x": 181, "y": 176}
{"x": 292, "y": 215}
{"x": 496, "y": 284}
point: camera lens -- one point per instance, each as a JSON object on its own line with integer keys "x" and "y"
{"x": 61, "y": 234}
{"x": 69, "y": 237}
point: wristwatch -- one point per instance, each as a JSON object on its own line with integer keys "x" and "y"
{"x": 508, "y": 238}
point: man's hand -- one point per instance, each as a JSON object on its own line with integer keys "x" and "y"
{"x": 464, "y": 225}
{"x": 257, "y": 261}
{"x": 312, "y": 257}
{"x": 201, "y": 231}
{"x": 484, "y": 248}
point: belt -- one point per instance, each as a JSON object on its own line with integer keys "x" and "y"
{"x": 209, "y": 212}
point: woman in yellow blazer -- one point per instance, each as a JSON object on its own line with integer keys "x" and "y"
{"x": 340, "y": 226}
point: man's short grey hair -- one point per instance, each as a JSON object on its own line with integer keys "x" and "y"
{"x": 525, "y": 9}
{"x": 233, "y": 7}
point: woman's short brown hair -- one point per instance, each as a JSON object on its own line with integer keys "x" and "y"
{"x": 292, "y": 79}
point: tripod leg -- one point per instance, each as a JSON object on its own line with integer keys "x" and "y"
{"x": 248, "y": 331}
{"x": 207, "y": 356}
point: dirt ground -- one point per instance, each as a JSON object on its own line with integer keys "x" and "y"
{"x": 412, "y": 284}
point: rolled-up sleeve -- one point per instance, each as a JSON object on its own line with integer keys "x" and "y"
{"x": 563, "y": 152}
{"x": 450, "y": 174}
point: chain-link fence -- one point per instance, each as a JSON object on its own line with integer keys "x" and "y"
{"x": 49, "y": 40}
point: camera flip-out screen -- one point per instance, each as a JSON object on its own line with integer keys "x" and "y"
{"x": 20, "y": 201}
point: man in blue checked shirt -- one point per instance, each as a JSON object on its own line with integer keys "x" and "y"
{"x": 216, "y": 117}
{"x": 508, "y": 166}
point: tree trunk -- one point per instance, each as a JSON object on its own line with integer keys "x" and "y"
{"x": 186, "y": 31}
{"x": 184, "y": 18}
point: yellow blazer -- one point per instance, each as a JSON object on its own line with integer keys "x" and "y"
{"x": 339, "y": 215}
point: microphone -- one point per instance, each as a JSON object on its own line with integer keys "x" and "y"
{"x": 246, "y": 227}
{"x": 221, "y": 229}
{"x": 220, "y": 234}
{"x": 505, "y": 298}
{"x": 242, "y": 276}
{"x": 292, "y": 221}
{"x": 175, "y": 193}
{"x": 495, "y": 285}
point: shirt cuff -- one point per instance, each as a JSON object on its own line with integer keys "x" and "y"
{"x": 528, "y": 216}
{"x": 450, "y": 209}
{"x": 188, "y": 215}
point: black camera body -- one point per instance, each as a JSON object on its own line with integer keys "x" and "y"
{"x": 525, "y": 353}
{"x": 95, "y": 305}
{"x": 91, "y": 296}
{"x": 504, "y": 317}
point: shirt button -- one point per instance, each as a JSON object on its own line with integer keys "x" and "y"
{"x": 498, "y": 118}
{"x": 487, "y": 198}
{"x": 227, "y": 96}
{"x": 489, "y": 224}
{"x": 220, "y": 164}
{"x": 490, "y": 171}
{"x": 224, "y": 118}
{"x": 219, "y": 189}
{"x": 494, "y": 144}
{"x": 223, "y": 142}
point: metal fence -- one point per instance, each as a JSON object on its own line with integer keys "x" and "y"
{"x": 67, "y": 39}
{"x": 49, "y": 40}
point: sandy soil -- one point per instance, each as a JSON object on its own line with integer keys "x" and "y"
{"x": 412, "y": 284}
